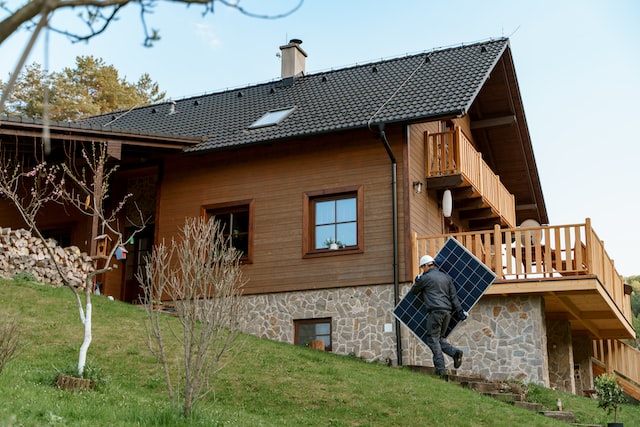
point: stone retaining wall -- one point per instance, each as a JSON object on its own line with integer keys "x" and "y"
{"x": 358, "y": 318}
{"x": 504, "y": 338}
{"x": 21, "y": 252}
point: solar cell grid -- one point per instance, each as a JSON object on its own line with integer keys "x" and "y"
{"x": 470, "y": 276}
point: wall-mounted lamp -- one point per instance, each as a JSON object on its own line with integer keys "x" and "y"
{"x": 447, "y": 203}
{"x": 417, "y": 187}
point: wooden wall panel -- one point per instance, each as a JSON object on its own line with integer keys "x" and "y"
{"x": 276, "y": 179}
{"x": 425, "y": 214}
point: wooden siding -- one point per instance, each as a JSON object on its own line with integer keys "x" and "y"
{"x": 276, "y": 178}
{"x": 425, "y": 211}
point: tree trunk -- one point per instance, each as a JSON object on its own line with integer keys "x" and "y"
{"x": 82, "y": 357}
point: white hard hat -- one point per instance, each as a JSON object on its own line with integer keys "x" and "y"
{"x": 426, "y": 259}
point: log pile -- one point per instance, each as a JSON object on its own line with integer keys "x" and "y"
{"x": 21, "y": 252}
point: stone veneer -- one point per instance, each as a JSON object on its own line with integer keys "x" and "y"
{"x": 358, "y": 317}
{"x": 561, "y": 366}
{"x": 504, "y": 338}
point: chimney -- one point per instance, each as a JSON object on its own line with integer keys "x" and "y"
{"x": 293, "y": 58}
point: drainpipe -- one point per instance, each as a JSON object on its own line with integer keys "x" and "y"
{"x": 394, "y": 204}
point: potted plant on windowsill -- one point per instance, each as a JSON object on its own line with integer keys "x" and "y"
{"x": 333, "y": 244}
{"x": 610, "y": 396}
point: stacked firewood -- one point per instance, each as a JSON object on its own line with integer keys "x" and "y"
{"x": 21, "y": 252}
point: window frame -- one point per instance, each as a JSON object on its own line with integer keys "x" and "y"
{"x": 209, "y": 210}
{"x": 313, "y": 321}
{"x": 308, "y": 221}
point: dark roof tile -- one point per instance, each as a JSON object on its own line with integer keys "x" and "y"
{"x": 405, "y": 89}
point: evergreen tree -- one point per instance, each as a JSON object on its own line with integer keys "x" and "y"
{"x": 91, "y": 88}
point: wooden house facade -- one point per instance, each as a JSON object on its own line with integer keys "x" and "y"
{"x": 333, "y": 184}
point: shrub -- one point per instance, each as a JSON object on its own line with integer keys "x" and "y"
{"x": 610, "y": 394}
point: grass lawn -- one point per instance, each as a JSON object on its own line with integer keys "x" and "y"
{"x": 267, "y": 384}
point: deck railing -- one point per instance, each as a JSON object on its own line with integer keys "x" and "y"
{"x": 618, "y": 357}
{"x": 538, "y": 252}
{"x": 452, "y": 153}
{"x": 551, "y": 252}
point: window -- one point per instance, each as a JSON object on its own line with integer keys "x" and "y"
{"x": 333, "y": 221}
{"x": 308, "y": 330}
{"x": 237, "y": 224}
{"x": 272, "y": 117}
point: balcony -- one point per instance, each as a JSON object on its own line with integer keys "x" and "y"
{"x": 480, "y": 198}
{"x": 567, "y": 265}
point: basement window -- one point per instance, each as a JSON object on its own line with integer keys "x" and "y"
{"x": 309, "y": 330}
{"x": 272, "y": 118}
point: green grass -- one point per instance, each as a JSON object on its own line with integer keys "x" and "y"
{"x": 268, "y": 384}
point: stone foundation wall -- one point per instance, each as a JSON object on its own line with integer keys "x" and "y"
{"x": 504, "y": 338}
{"x": 21, "y": 252}
{"x": 358, "y": 318}
{"x": 560, "y": 347}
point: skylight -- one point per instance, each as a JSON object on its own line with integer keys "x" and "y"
{"x": 272, "y": 117}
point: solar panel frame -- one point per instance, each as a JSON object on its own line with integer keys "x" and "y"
{"x": 470, "y": 276}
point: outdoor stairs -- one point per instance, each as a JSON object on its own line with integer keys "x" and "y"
{"x": 509, "y": 393}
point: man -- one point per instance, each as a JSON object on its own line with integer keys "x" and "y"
{"x": 440, "y": 298}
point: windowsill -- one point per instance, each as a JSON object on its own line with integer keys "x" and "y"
{"x": 332, "y": 252}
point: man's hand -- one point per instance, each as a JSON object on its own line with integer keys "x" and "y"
{"x": 460, "y": 315}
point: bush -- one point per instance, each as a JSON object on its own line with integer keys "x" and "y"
{"x": 610, "y": 394}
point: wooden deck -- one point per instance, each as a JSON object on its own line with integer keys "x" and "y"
{"x": 569, "y": 267}
{"x": 567, "y": 264}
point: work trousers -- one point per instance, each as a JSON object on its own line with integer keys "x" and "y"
{"x": 437, "y": 323}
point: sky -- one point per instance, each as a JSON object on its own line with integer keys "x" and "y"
{"x": 577, "y": 64}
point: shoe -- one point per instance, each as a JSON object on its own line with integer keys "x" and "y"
{"x": 457, "y": 359}
{"x": 442, "y": 374}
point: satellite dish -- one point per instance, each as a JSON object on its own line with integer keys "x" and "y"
{"x": 528, "y": 223}
{"x": 447, "y": 203}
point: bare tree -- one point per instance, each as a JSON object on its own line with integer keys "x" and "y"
{"x": 9, "y": 339}
{"x": 31, "y": 186}
{"x": 200, "y": 276}
{"x": 96, "y": 15}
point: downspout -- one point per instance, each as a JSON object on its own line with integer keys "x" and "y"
{"x": 394, "y": 209}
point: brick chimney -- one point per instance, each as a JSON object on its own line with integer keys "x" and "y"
{"x": 293, "y": 58}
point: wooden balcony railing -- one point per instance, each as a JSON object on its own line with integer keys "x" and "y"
{"x": 617, "y": 357}
{"x": 451, "y": 153}
{"x": 558, "y": 255}
{"x": 538, "y": 253}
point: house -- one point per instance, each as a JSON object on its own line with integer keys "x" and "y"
{"x": 373, "y": 156}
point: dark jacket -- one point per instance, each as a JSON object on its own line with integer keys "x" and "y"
{"x": 437, "y": 290}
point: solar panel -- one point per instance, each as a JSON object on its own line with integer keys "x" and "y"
{"x": 471, "y": 277}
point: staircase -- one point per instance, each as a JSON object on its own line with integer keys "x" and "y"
{"x": 508, "y": 392}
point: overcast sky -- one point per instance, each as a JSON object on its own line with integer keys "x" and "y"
{"x": 577, "y": 63}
